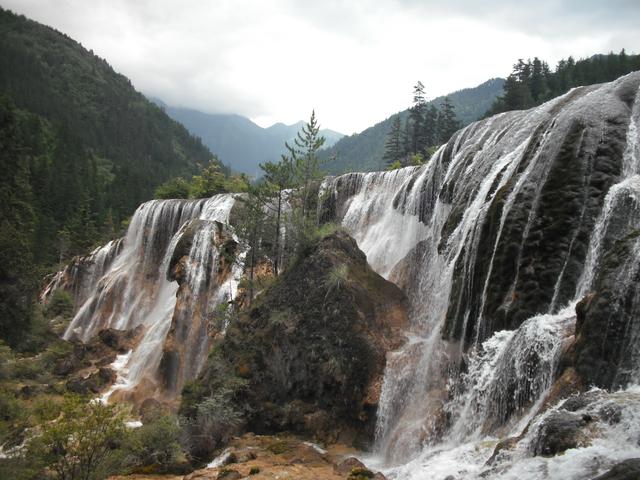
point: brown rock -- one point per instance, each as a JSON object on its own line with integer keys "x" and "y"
{"x": 228, "y": 474}
{"x": 346, "y": 466}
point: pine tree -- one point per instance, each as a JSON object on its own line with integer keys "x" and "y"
{"x": 430, "y": 128}
{"x": 304, "y": 158}
{"x": 416, "y": 119}
{"x": 538, "y": 83}
{"x": 278, "y": 178}
{"x": 448, "y": 122}
{"x": 17, "y": 219}
{"x": 394, "y": 148}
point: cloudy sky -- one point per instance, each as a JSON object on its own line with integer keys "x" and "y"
{"x": 353, "y": 61}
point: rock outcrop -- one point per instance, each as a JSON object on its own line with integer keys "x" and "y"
{"x": 607, "y": 328}
{"x": 201, "y": 263}
{"x": 625, "y": 470}
{"x": 312, "y": 349}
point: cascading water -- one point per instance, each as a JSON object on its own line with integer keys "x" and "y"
{"x": 495, "y": 241}
{"x": 506, "y": 243}
{"x": 135, "y": 289}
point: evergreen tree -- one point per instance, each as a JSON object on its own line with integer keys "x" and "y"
{"x": 394, "y": 149}
{"x": 416, "y": 119}
{"x": 211, "y": 181}
{"x": 538, "y": 84}
{"x": 278, "y": 178}
{"x": 532, "y": 83}
{"x": 448, "y": 123}
{"x": 406, "y": 139}
{"x": 251, "y": 228}
{"x": 17, "y": 222}
{"x": 304, "y": 158}
{"x": 431, "y": 126}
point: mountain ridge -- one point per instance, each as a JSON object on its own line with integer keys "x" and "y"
{"x": 364, "y": 151}
{"x": 238, "y": 141}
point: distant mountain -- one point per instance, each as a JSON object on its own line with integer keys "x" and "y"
{"x": 97, "y": 147}
{"x": 363, "y": 151}
{"x": 236, "y": 140}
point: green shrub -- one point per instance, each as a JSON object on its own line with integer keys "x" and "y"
{"x": 38, "y": 335}
{"x": 83, "y": 443}
{"x": 7, "y": 360}
{"x": 215, "y": 422}
{"x": 59, "y": 305}
{"x": 156, "y": 443}
{"x": 45, "y": 408}
{"x": 174, "y": 188}
{"x": 394, "y": 166}
{"x": 337, "y": 277}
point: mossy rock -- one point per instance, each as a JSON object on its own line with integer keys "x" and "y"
{"x": 360, "y": 473}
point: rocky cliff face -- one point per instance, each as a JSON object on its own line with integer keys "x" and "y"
{"x": 312, "y": 349}
{"x": 495, "y": 240}
{"x": 607, "y": 330}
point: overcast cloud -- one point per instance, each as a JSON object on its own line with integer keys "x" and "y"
{"x": 353, "y": 61}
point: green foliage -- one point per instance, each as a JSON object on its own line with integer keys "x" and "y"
{"x": 365, "y": 151}
{"x": 532, "y": 82}
{"x": 278, "y": 177}
{"x": 216, "y": 420}
{"x": 174, "y": 188}
{"x": 155, "y": 443}
{"x": 80, "y": 150}
{"x": 416, "y": 159}
{"x": 83, "y": 442}
{"x": 60, "y": 304}
{"x": 39, "y": 334}
{"x": 394, "y": 147}
{"x": 279, "y": 447}
{"x": 17, "y": 225}
{"x": 426, "y": 126}
{"x": 6, "y": 361}
{"x": 326, "y": 229}
{"x": 211, "y": 181}
{"x": 360, "y": 473}
{"x": 210, "y": 412}
{"x": 337, "y": 278}
{"x": 254, "y": 471}
{"x": 394, "y": 166}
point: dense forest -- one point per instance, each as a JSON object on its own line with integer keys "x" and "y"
{"x": 532, "y": 83}
{"x": 81, "y": 149}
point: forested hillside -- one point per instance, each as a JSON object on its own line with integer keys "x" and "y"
{"x": 237, "y": 141}
{"x": 533, "y": 82}
{"x": 81, "y": 148}
{"x": 364, "y": 151}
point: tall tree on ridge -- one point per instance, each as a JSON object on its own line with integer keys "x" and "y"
{"x": 304, "y": 157}
{"x": 394, "y": 149}
{"x": 431, "y": 126}
{"x": 416, "y": 119}
{"x": 448, "y": 122}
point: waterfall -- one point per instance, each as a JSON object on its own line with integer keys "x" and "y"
{"x": 134, "y": 289}
{"x": 495, "y": 240}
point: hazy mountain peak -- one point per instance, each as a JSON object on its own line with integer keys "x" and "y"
{"x": 237, "y": 140}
